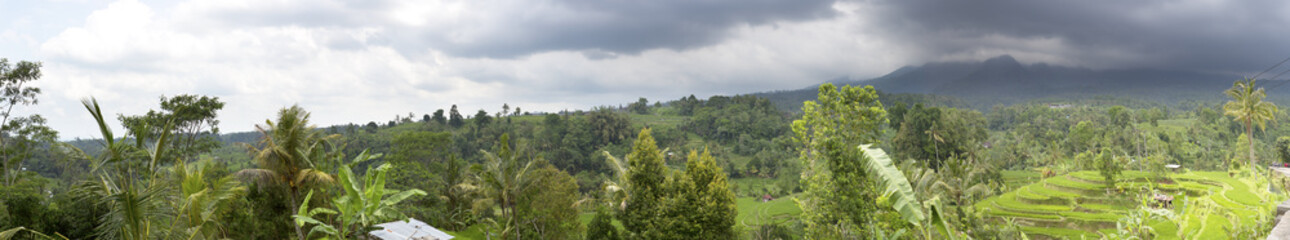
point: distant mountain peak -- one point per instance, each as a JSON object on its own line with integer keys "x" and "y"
{"x": 1002, "y": 61}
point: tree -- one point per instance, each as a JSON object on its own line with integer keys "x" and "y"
{"x": 1082, "y": 136}
{"x": 290, "y": 154}
{"x": 202, "y": 199}
{"x": 639, "y": 107}
{"x": 482, "y": 119}
{"x": 439, "y": 118}
{"x": 1283, "y": 149}
{"x": 896, "y": 114}
{"x": 454, "y": 117}
{"x": 503, "y": 177}
{"x": 19, "y": 134}
{"x": 704, "y": 206}
{"x": 916, "y": 137}
{"x": 129, "y": 183}
{"x": 602, "y": 227}
{"x": 608, "y": 127}
{"x": 839, "y": 199}
{"x": 1120, "y": 116}
{"x": 1247, "y": 106}
{"x": 1108, "y": 165}
{"x": 547, "y": 209}
{"x": 646, "y": 175}
{"x": 194, "y": 127}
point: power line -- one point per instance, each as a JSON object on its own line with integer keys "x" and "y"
{"x": 1278, "y": 84}
{"x": 1256, "y": 76}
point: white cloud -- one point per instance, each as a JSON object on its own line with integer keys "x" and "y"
{"x": 344, "y": 71}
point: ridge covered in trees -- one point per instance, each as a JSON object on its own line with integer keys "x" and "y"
{"x": 851, "y": 163}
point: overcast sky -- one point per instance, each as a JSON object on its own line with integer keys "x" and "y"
{"x": 369, "y": 60}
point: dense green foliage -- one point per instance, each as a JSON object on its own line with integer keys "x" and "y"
{"x": 839, "y": 200}
{"x": 661, "y": 204}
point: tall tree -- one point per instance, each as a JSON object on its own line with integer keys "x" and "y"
{"x": 439, "y": 118}
{"x": 547, "y": 209}
{"x": 454, "y": 117}
{"x": 193, "y": 119}
{"x": 705, "y": 206}
{"x": 19, "y": 134}
{"x": 1248, "y": 107}
{"x": 608, "y": 127}
{"x": 1283, "y": 149}
{"x": 839, "y": 199}
{"x": 1109, "y": 166}
{"x": 289, "y": 155}
{"x": 1120, "y": 116}
{"x": 129, "y": 184}
{"x": 482, "y": 119}
{"x": 646, "y": 176}
{"x": 503, "y": 177}
{"x": 639, "y": 107}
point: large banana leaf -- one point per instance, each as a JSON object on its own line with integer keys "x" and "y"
{"x": 895, "y": 184}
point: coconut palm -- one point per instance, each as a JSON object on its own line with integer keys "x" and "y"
{"x": 1248, "y": 107}
{"x": 134, "y": 192}
{"x": 288, "y": 155}
{"x": 201, "y": 199}
{"x": 502, "y": 179}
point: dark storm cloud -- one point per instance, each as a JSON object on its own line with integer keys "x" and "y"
{"x": 1238, "y": 36}
{"x": 508, "y": 29}
{"x": 618, "y": 26}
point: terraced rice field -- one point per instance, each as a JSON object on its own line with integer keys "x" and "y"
{"x": 1078, "y": 204}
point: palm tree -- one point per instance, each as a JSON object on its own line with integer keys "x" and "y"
{"x": 1248, "y": 107}
{"x": 502, "y": 178}
{"x": 286, "y": 156}
{"x": 201, "y": 199}
{"x": 134, "y": 192}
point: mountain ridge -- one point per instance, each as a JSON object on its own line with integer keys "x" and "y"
{"x": 1004, "y": 80}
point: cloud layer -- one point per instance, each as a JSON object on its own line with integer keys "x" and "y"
{"x": 359, "y": 61}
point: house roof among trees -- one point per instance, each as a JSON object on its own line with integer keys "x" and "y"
{"x": 410, "y": 229}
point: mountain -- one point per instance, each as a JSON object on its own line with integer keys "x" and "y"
{"x": 1004, "y": 80}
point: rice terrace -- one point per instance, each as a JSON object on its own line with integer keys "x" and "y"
{"x": 1080, "y": 205}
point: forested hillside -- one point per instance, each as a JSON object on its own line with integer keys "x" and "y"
{"x": 851, "y": 163}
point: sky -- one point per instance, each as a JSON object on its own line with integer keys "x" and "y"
{"x": 373, "y": 60}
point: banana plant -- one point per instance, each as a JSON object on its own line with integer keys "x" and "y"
{"x": 365, "y": 203}
{"x": 895, "y": 185}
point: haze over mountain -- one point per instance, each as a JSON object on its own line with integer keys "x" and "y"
{"x": 1002, "y": 79}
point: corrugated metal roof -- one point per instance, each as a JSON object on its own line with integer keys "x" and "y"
{"x": 412, "y": 229}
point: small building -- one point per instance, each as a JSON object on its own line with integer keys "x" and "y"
{"x": 412, "y": 229}
{"x": 767, "y": 198}
{"x": 1173, "y": 167}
